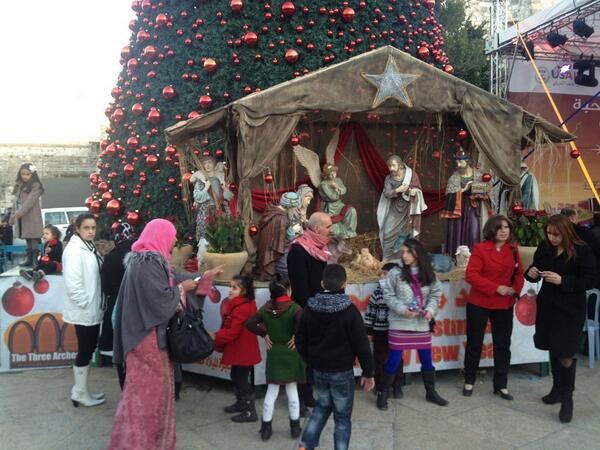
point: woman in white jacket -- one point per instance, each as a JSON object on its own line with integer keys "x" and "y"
{"x": 83, "y": 303}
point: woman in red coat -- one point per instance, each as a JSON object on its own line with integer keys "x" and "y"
{"x": 495, "y": 274}
{"x": 239, "y": 346}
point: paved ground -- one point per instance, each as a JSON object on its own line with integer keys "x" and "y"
{"x": 36, "y": 413}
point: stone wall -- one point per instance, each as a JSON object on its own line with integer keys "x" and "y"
{"x": 53, "y": 161}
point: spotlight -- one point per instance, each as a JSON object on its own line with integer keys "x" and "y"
{"x": 565, "y": 68}
{"x": 586, "y": 73}
{"x": 582, "y": 29}
{"x": 531, "y": 48}
{"x": 555, "y": 39}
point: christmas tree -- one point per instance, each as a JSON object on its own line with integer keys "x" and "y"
{"x": 188, "y": 57}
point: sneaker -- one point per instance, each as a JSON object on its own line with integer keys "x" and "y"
{"x": 37, "y": 275}
{"x": 27, "y": 274}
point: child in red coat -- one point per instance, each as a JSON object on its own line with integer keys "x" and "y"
{"x": 239, "y": 346}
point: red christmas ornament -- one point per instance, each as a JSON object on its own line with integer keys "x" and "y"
{"x": 107, "y": 196}
{"x": 210, "y": 65}
{"x": 219, "y": 153}
{"x": 517, "y": 208}
{"x": 575, "y": 153}
{"x": 41, "y": 286}
{"x": 132, "y": 143}
{"x": 168, "y": 92}
{"x": 295, "y": 140}
{"x": 423, "y": 52}
{"x": 133, "y": 218}
{"x": 288, "y": 8}
{"x": 462, "y": 134}
{"x": 430, "y": 4}
{"x": 236, "y": 5}
{"x": 251, "y": 38}
{"x": 448, "y": 68}
{"x": 137, "y": 109}
{"x": 128, "y": 169}
{"x": 186, "y": 177}
{"x": 132, "y": 64}
{"x": 161, "y": 19}
{"x": 103, "y": 186}
{"x": 113, "y": 207}
{"x": 269, "y": 177}
{"x": 152, "y": 161}
{"x": 118, "y": 115}
{"x": 153, "y": 116}
{"x": 45, "y": 259}
{"x": 88, "y": 202}
{"x": 348, "y": 14}
{"x": 18, "y": 300}
{"x": 149, "y": 52}
{"x": 232, "y": 187}
{"x": 96, "y": 206}
{"x": 170, "y": 150}
{"x": 252, "y": 230}
{"x": 486, "y": 176}
{"x": 205, "y": 101}
{"x": 291, "y": 55}
{"x": 172, "y": 181}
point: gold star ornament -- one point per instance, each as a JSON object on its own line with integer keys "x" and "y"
{"x": 390, "y": 84}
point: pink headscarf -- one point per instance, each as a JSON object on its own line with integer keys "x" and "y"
{"x": 158, "y": 235}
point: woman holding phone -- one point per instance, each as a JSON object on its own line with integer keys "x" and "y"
{"x": 567, "y": 268}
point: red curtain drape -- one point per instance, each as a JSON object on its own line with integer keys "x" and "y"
{"x": 374, "y": 165}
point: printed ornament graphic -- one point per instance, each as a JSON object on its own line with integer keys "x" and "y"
{"x": 525, "y": 309}
{"x": 41, "y": 286}
{"x": 214, "y": 295}
{"x": 18, "y": 300}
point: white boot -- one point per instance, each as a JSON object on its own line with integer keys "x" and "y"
{"x": 99, "y": 395}
{"x": 79, "y": 392}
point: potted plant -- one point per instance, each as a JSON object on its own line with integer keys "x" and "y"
{"x": 530, "y": 231}
{"x": 183, "y": 249}
{"x": 225, "y": 236}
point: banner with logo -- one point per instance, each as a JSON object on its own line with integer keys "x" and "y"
{"x": 33, "y": 333}
{"x": 449, "y": 337}
{"x": 560, "y": 179}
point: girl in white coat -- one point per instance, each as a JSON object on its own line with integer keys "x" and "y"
{"x": 83, "y": 303}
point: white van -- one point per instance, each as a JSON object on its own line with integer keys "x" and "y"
{"x": 61, "y": 217}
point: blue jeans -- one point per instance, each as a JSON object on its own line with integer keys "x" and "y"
{"x": 335, "y": 393}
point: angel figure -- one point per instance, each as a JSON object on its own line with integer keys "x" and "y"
{"x": 210, "y": 193}
{"x": 330, "y": 187}
{"x": 400, "y": 207}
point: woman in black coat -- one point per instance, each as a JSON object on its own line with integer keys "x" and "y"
{"x": 567, "y": 267}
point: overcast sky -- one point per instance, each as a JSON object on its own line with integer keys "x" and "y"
{"x": 60, "y": 61}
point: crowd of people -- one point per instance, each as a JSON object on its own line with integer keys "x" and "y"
{"x": 312, "y": 331}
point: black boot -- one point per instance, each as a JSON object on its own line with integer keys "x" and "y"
{"x": 177, "y": 390}
{"x": 265, "y": 430}
{"x": 28, "y": 260}
{"x": 553, "y": 397}
{"x": 567, "y": 384}
{"x": 27, "y": 274}
{"x": 295, "y": 429}
{"x": 431, "y": 394}
{"x": 397, "y": 388}
{"x": 237, "y": 406}
{"x": 382, "y": 395}
{"x": 248, "y": 413}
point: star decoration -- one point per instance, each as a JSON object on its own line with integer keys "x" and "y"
{"x": 390, "y": 84}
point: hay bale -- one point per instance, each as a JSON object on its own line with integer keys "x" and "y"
{"x": 368, "y": 240}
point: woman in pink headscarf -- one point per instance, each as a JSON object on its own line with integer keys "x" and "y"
{"x": 148, "y": 298}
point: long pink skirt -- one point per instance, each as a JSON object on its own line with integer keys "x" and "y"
{"x": 145, "y": 417}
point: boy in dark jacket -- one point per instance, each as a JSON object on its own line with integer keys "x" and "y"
{"x": 329, "y": 336}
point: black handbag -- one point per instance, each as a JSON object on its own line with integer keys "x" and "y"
{"x": 188, "y": 339}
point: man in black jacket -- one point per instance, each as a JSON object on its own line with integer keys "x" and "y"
{"x": 306, "y": 261}
{"x": 329, "y": 336}
{"x": 308, "y": 257}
